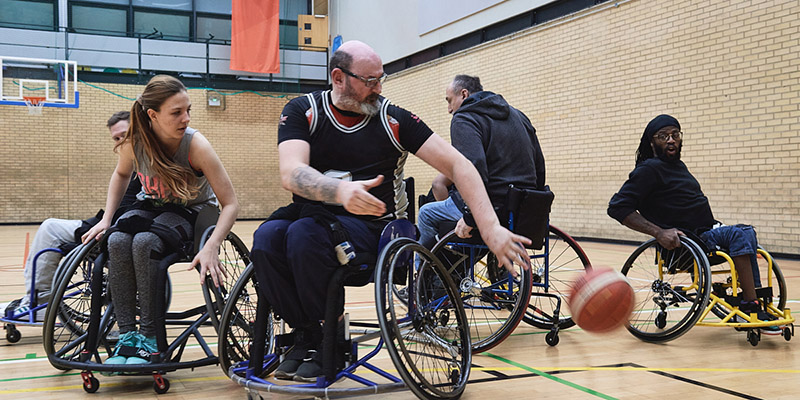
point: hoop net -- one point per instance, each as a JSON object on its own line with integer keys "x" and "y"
{"x": 34, "y": 104}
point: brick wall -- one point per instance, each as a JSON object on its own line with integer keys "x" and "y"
{"x": 590, "y": 83}
{"x": 59, "y": 164}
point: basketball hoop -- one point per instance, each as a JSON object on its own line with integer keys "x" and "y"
{"x": 34, "y": 104}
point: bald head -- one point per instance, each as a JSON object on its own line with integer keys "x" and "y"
{"x": 356, "y": 78}
{"x": 354, "y": 52}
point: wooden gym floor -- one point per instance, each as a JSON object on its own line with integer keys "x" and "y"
{"x": 706, "y": 363}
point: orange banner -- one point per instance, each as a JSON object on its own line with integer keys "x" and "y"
{"x": 254, "y": 36}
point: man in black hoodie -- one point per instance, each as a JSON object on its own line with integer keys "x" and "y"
{"x": 498, "y": 139}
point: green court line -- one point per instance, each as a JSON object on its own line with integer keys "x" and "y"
{"x": 551, "y": 377}
{"x": 27, "y": 378}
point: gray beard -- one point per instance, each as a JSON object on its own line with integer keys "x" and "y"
{"x": 366, "y": 108}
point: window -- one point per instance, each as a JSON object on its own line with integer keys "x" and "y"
{"x": 170, "y": 26}
{"x": 288, "y": 34}
{"x": 219, "y": 27}
{"x": 99, "y": 20}
{"x": 120, "y": 2}
{"x": 213, "y": 6}
{"x": 183, "y": 5}
{"x": 28, "y": 14}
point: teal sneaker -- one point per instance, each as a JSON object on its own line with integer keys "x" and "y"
{"x": 147, "y": 346}
{"x": 127, "y": 343}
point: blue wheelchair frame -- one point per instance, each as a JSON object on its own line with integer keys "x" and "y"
{"x": 249, "y": 374}
{"x": 28, "y": 318}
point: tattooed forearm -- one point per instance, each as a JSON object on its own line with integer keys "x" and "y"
{"x": 311, "y": 184}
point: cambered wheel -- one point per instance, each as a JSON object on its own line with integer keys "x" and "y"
{"x": 564, "y": 260}
{"x": 237, "y": 322}
{"x": 671, "y": 288}
{"x": 431, "y": 353}
{"x": 234, "y": 257}
{"x": 67, "y": 317}
{"x": 494, "y": 301}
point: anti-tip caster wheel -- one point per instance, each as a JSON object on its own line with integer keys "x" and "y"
{"x": 161, "y": 385}
{"x": 13, "y": 335}
{"x": 661, "y": 320}
{"x": 92, "y": 385}
{"x": 551, "y": 338}
{"x": 753, "y": 337}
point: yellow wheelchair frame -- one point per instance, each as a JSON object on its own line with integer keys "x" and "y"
{"x": 675, "y": 291}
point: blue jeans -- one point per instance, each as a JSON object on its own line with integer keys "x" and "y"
{"x": 736, "y": 240}
{"x": 431, "y": 215}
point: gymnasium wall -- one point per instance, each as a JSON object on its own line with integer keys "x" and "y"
{"x": 590, "y": 82}
{"x": 59, "y": 164}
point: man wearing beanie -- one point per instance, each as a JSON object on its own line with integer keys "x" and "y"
{"x": 661, "y": 196}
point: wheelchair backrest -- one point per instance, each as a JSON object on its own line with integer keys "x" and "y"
{"x": 529, "y": 212}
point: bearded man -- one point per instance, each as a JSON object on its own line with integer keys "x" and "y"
{"x": 663, "y": 199}
{"x": 342, "y": 154}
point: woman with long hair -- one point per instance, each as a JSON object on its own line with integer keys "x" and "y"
{"x": 180, "y": 174}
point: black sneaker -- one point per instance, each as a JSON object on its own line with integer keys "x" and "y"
{"x": 749, "y": 307}
{"x": 293, "y": 359}
{"x": 310, "y": 369}
{"x": 287, "y": 369}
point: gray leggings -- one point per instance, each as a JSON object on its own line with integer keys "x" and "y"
{"x": 131, "y": 260}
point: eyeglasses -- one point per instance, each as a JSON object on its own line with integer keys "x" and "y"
{"x": 678, "y": 135}
{"x": 368, "y": 82}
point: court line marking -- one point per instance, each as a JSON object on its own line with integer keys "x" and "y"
{"x": 106, "y": 384}
{"x": 551, "y": 377}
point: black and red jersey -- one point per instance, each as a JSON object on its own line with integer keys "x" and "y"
{"x": 355, "y": 147}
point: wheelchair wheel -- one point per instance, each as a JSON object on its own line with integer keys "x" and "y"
{"x": 427, "y": 335}
{"x": 671, "y": 287}
{"x": 493, "y": 300}
{"x": 237, "y": 322}
{"x": 235, "y": 257}
{"x": 564, "y": 262}
{"x": 67, "y": 317}
{"x": 720, "y": 275}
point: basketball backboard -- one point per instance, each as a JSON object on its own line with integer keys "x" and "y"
{"x": 50, "y": 83}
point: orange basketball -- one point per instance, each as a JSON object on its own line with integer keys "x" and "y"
{"x": 601, "y": 300}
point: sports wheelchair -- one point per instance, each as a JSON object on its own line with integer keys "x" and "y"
{"x": 494, "y": 300}
{"x": 677, "y": 289}
{"x": 424, "y": 328}
{"x": 80, "y": 324}
{"x": 31, "y": 316}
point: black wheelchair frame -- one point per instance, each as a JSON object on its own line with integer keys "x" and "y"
{"x": 80, "y": 318}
